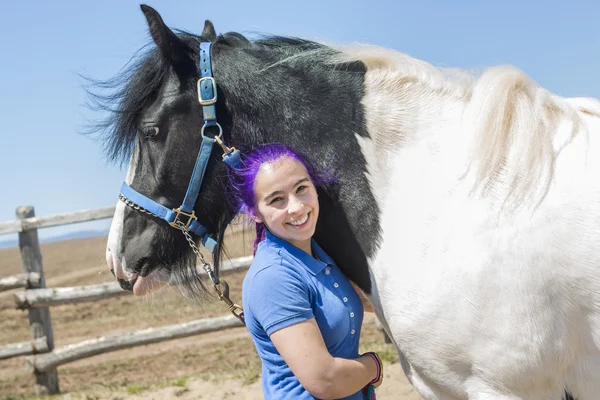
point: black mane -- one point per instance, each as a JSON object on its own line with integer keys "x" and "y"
{"x": 124, "y": 97}
{"x": 136, "y": 86}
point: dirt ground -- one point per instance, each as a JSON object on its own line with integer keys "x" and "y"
{"x": 218, "y": 365}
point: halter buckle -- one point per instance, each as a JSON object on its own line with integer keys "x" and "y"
{"x": 178, "y": 223}
{"x": 213, "y": 84}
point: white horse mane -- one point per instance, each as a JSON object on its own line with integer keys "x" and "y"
{"x": 514, "y": 121}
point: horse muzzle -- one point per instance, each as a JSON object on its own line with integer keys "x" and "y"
{"x": 139, "y": 285}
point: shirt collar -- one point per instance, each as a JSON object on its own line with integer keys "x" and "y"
{"x": 313, "y": 265}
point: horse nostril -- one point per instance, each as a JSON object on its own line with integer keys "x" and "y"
{"x": 126, "y": 285}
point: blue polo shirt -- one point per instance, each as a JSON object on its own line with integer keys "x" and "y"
{"x": 285, "y": 286}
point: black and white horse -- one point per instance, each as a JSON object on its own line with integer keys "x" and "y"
{"x": 468, "y": 208}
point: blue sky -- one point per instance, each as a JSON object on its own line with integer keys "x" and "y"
{"x": 46, "y": 162}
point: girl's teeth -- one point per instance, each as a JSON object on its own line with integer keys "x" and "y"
{"x": 300, "y": 222}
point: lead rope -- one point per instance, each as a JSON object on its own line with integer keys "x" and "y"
{"x": 234, "y": 308}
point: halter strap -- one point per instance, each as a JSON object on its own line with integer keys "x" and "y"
{"x": 183, "y": 217}
{"x": 197, "y": 175}
{"x": 207, "y": 87}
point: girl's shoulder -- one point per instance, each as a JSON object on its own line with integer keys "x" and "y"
{"x": 266, "y": 258}
{"x": 271, "y": 254}
{"x": 272, "y": 265}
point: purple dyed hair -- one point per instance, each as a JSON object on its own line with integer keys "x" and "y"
{"x": 241, "y": 180}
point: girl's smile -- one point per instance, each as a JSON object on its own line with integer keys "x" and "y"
{"x": 301, "y": 222}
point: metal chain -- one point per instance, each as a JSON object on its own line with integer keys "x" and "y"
{"x": 192, "y": 243}
{"x": 135, "y": 206}
{"x": 221, "y": 287}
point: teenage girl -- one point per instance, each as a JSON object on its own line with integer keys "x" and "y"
{"x": 302, "y": 312}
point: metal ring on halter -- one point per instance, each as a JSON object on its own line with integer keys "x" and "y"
{"x": 220, "y": 135}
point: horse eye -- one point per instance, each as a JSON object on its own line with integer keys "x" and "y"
{"x": 149, "y": 132}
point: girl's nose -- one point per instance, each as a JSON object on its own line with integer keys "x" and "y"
{"x": 295, "y": 207}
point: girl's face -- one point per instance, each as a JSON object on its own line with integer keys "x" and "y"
{"x": 286, "y": 201}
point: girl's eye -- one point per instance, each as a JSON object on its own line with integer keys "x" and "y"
{"x": 301, "y": 188}
{"x": 149, "y": 132}
{"x": 275, "y": 200}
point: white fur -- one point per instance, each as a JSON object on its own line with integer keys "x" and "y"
{"x": 114, "y": 256}
{"x": 488, "y": 272}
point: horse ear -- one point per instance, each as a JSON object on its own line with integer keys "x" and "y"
{"x": 167, "y": 42}
{"x": 209, "y": 32}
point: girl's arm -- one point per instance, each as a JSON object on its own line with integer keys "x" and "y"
{"x": 301, "y": 346}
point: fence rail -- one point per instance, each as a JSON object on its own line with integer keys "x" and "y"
{"x": 57, "y": 296}
{"x": 36, "y": 298}
{"x": 30, "y": 223}
{"x": 120, "y": 341}
{"x": 39, "y": 345}
{"x": 40, "y": 298}
{"x": 31, "y": 280}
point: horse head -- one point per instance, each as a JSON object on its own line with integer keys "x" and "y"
{"x": 159, "y": 123}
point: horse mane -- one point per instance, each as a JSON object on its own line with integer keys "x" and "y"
{"x": 514, "y": 122}
{"x": 123, "y": 97}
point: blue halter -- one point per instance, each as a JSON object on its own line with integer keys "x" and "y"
{"x": 184, "y": 217}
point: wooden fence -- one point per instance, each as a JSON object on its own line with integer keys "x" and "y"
{"x": 36, "y": 298}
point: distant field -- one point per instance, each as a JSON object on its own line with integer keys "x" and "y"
{"x": 216, "y": 365}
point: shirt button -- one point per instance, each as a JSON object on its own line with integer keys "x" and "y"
{"x": 345, "y": 299}
{"x": 352, "y": 315}
{"x": 335, "y": 285}
{"x": 327, "y": 271}
{"x": 352, "y": 332}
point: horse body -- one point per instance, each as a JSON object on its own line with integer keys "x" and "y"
{"x": 484, "y": 299}
{"x": 467, "y": 209}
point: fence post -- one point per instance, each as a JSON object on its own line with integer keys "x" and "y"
{"x": 39, "y": 319}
